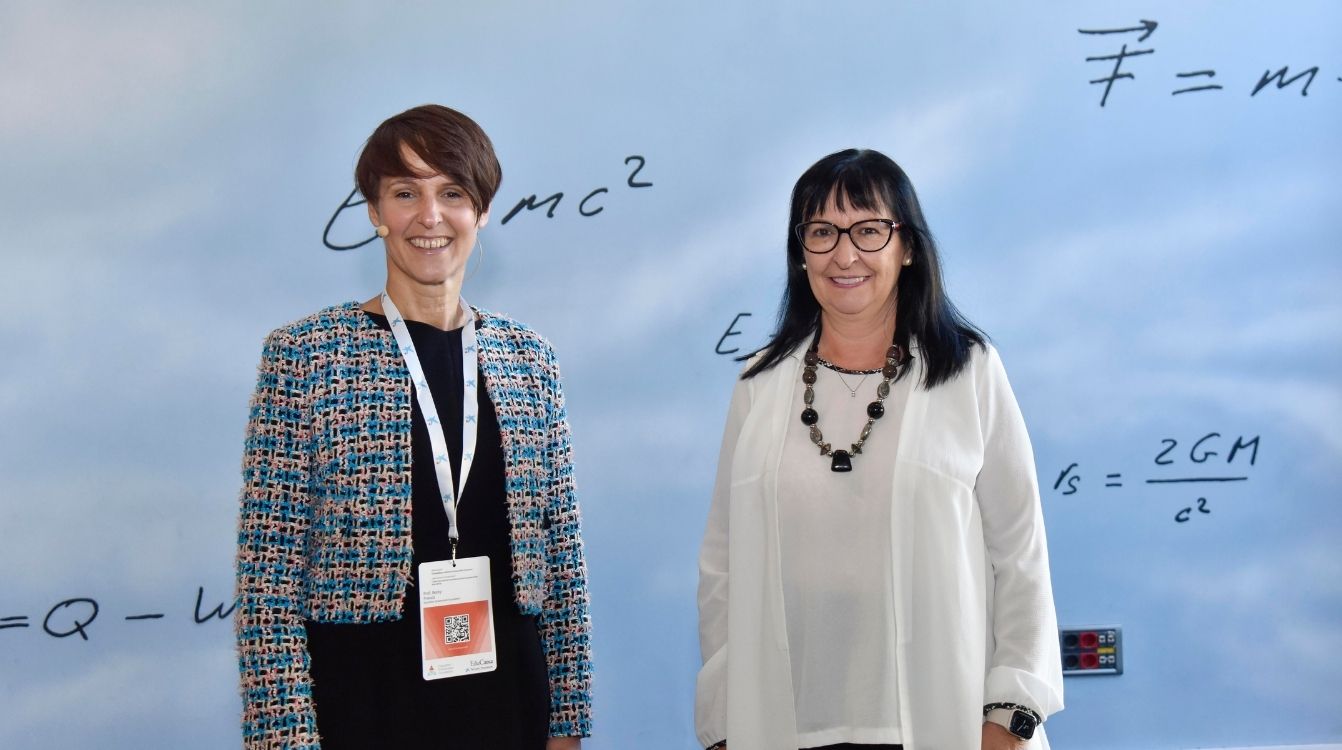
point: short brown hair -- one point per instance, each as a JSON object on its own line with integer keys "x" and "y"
{"x": 450, "y": 142}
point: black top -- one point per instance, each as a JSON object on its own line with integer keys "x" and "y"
{"x": 367, "y": 683}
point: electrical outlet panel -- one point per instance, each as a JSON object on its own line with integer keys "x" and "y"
{"x": 1092, "y": 650}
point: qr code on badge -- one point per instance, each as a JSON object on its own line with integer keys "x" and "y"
{"x": 456, "y": 629}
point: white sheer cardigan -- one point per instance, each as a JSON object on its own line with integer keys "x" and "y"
{"x": 974, "y": 613}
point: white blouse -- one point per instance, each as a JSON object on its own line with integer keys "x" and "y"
{"x": 836, "y": 562}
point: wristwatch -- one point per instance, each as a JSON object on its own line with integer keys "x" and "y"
{"x": 1019, "y": 720}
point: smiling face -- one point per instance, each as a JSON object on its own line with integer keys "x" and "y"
{"x": 431, "y": 226}
{"x": 851, "y": 284}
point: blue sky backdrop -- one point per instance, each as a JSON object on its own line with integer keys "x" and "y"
{"x": 1162, "y": 267}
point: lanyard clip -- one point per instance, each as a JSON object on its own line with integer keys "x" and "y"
{"x": 454, "y": 553}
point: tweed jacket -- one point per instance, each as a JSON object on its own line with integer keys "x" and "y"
{"x": 324, "y": 529}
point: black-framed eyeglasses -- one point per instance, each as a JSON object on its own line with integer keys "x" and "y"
{"x": 869, "y": 236}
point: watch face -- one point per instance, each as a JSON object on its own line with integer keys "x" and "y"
{"x": 1022, "y": 725}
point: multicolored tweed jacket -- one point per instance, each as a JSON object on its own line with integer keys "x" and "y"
{"x": 324, "y": 531}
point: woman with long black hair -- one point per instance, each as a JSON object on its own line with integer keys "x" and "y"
{"x": 874, "y": 571}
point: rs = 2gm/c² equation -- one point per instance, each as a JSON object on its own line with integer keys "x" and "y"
{"x": 1203, "y": 460}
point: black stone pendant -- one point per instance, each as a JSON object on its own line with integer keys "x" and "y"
{"x": 841, "y": 462}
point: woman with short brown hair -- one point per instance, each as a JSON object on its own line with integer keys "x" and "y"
{"x": 410, "y": 560}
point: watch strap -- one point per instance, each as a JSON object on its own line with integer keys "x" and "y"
{"x": 999, "y": 716}
{"x": 1021, "y": 721}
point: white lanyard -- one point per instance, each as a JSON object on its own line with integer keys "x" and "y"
{"x": 470, "y": 408}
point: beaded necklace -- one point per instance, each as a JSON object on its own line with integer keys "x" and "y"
{"x": 842, "y": 460}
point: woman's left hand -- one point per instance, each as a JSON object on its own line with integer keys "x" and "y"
{"x": 564, "y": 743}
{"x": 995, "y": 737}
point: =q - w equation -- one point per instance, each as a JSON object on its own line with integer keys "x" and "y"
{"x": 1205, "y": 462}
{"x": 1125, "y": 64}
{"x": 76, "y": 615}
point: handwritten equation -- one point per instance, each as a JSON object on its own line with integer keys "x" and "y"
{"x": 731, "y": 331}
{"x": 588, "y": 206}
{"x": 1210, "y": 460}
{"x": 74, "y": 616}
{"x": 1185, "y": 82}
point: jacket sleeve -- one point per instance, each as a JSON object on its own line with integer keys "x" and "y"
{"x": 1026, "y": 665}
{"x": 272, "y": 641}
{"x": 565, "y": 622}
{"x": 710, "y": 705}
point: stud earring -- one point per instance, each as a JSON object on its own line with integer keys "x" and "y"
{"x": 908, "y": 261}
{"x": 383, "y": 231}
{"x": 803, "y": 266}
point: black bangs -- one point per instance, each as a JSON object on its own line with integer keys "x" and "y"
{"x": 850, "y": 186}
{"x": 861, "y": 179}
